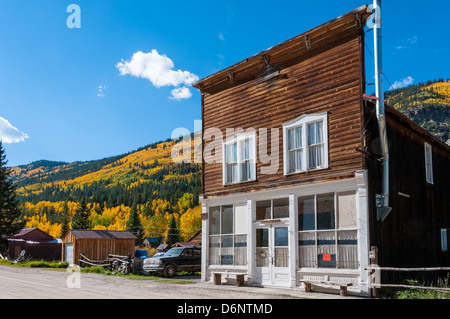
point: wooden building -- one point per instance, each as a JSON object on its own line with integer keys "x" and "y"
{"x": 291, "y": 173}
{"x": 194, "y": 240}
{"x": 36, "y": 243}
{"x": 96, "y": 244}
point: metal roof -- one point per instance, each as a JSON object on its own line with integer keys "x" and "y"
{"x": 101, "y": 234}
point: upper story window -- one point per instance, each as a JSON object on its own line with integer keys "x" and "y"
{"x": 306, "y": 144}
{"x": 239, "y": 159}
{"x": 429, "y": 163}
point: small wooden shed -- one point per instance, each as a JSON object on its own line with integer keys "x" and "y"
{"x": 96, "y": 244}
{"x": 36, "y": 243}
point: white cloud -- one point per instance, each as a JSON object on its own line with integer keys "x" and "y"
{"x": 221, "y": 37}
{"x": 402, "y": 83}
{"x": 158, "y": 69}
{"x": 101, "y": 90}
{"x": 181, "y": 93}
{"x": 9, "y": 134}
{"x": 406, "y": 43}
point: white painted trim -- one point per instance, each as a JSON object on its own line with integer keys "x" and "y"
{"x": 358, "y": 184}
{"x": 303, "y": 122}
{"x": 429, "y": 149}
{"x": 205, "y": 242}
{"x": 239, "y": 138}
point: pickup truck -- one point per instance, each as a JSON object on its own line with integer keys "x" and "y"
{"x": 175, "y": 260}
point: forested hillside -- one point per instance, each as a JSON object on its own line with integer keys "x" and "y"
{"x": 427, "y": 104}
{"x": 146, "y": 182}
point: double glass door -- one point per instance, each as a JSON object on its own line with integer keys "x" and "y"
{"x": 272, "y": 255}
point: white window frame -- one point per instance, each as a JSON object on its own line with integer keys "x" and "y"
{"x": 429, "y": 163}
{"x": 239, "y": 139}
{"x": 303, "y": 122}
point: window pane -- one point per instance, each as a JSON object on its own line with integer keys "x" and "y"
{"x": 313, "y": 157}
{"x": 263, "y": 210}
{"x": 319, "y": 155}
{"x": 214, "y": 220}
{"x": 311, "y": 134}
{"x": 244, "y": 171}
{"x": 326, "y": 249}
{"x": 226, "y": 255}
{"x": 307, "y": 250}
{"x": 292, "y": 163}
{"x": 281, "y": 208}
{"x": 325, "y": 212}
{"x": 227, "y": 219}
{"x": 240, "y": 219}
{"x": 229, "y": 173}
{"x": 262, "y": 238}
{"x": 298, "y": 158}
{"x": 319, "y": 132}
{"x": 346, "y": 209}
{"x": 348, "y": 250}
{"x": 298, "y": 137}
{"x": 214, "y": 250}
{"x": 240, "y": 250}
{"x": 306, "y": 216}
{"x": 281, "y": 257}
{"x": 262, "y": 250}
{"x": 291, "y": 139}
{"x": 245, "y": 150}
{"x": 281, "y": 237}
{"x": 251, "y": 170}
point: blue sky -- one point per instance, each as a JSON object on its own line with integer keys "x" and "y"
{"x": 122, "y": 80}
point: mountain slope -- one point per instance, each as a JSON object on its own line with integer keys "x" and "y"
{"x": 134, "y": 178}
{"x": 427, "y": 104}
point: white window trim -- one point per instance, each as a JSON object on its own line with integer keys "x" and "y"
{"x": 239, "y": 138}
{"x": 429, "y": 152}
{"x": 303, "y": 121}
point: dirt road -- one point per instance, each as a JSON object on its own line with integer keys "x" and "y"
{"x": 29, "y": 283}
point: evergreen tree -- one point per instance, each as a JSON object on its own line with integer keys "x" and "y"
{"x": 65, "y": 219}
{"x": 134, "y": 224}
{"x": 9, "y": 205}
{"x": 81, "y": 217}
{"x": 173, "y": 235}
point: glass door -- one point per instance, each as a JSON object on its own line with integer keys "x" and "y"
{"x": 272, "y": 255}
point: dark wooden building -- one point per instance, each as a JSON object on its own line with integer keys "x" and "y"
{"x": 291, "y": 168}
{"x": 36, "y": 243}
{"x": 96, "y": 244}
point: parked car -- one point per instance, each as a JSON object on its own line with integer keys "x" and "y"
{"x": 175, "y": 260}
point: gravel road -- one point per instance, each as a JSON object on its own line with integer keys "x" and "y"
{"x": 32, "y": 283}
{"x": 29, "y": 283}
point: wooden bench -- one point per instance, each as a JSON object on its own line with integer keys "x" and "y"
{"x": 217, "y": 277}
{"x": 342, "y": 285}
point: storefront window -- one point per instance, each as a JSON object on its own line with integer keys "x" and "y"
{"x": 321, "y": 243}
{"x": 228, "y": 235}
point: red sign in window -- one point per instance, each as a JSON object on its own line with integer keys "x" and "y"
{"x": 326, "y": 257}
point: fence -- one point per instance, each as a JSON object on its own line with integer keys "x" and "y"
{"x": 122, "y": 264}
{"x": 375, "y": 277}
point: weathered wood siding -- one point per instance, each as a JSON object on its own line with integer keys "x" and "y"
{"x": 410, "y": 235}
{"x": 98, "y": 249}
{"x": 326, "y": 79}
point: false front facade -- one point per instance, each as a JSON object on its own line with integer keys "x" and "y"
{"x": 286, "y": 195}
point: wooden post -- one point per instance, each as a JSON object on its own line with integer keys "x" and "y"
{"x": 240, "y": 280}
{"x": 374, "y": 274}
{"x": 307, "y": 286}
{"x": 217, "y": 278}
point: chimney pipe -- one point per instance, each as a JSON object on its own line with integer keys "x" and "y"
{"x": 384, "y": 210}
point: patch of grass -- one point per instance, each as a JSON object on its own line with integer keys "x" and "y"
{"x": 36, "y": 264}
